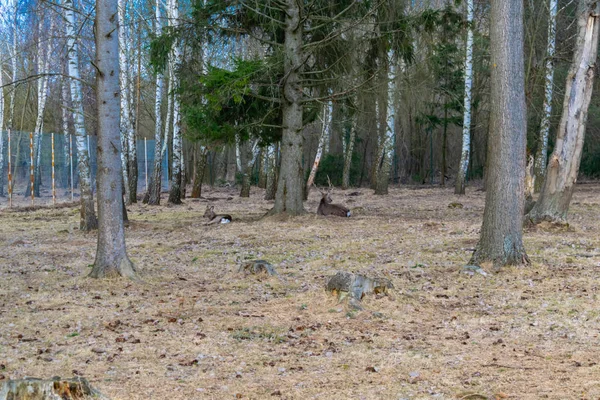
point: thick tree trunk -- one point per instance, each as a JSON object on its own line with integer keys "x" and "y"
{"x": 563, "y": 167}
{"x": 247, "y": 160}
{"x": 461, "y": 177}
{"x": 542, "y": 147}
{"x": 88, "y": 219}
{"x": 289, "y": 195}
{"x": 111, "y": 256}
{"x": 501, "y": 240}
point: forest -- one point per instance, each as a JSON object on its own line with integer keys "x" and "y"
{"x": 299, "y": 199}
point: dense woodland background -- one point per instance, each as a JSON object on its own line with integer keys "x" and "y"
{"x": 228, "y": 55}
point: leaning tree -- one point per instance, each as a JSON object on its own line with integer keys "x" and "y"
{"x": 563, "y": 166}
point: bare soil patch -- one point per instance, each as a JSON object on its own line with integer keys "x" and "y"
{"x": 198, "y": 329}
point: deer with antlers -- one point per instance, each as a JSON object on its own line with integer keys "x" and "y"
{"x": 326, "y": 207}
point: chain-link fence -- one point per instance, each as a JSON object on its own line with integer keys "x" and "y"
{"x": 66, "y": 177}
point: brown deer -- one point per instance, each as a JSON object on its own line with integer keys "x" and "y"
{"x": 214, "y": 218}
{"x": 326, "y": 207}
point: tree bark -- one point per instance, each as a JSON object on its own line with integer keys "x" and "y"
{"x": 348, "y": 155}
{"x": 111, "y": 256}
{"x": 461, "y": 177}
{"x": 563, "y": 166}
{"x": 542, "y": 149}
{"x": 175, "y": 191}
{"x": 501, "y": 240}
{"x": 289, "y": 195}
{"x": 200, "y": 166}
{"x": 326, "y": 127}
{"x": 155, "y": 184}
{"x": 271, "y": 172}
{"x": 88, "y": 219}
{"x": 387, "y": 142}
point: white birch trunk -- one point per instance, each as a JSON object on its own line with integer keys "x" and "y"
{"x": 42, "y": 95}
{"x": 387, "y": 147}
{"x": 65, "y": 129}
{"x": 324, "y": 138}
{"x": 466, "y": 131}
{"x": 132, "y": 167}
{"x": 88, "y": 219}
{"x": 155, "y": 187}
{"x": 125, "y": 125}
{"x": 175, "y": 191}
{"x": 542, "y": 150}
{"x": 11, "y": 111}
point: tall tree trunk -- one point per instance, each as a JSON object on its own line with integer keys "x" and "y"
{"x": 461, "y": 177}
{"x": 66, "y": 136}
{"x": 111, "y": 256}
{"x": 126, "y": 125}
{"x": 387, "y": 145}
{"x": 88, "y": 219}
{"x": 247, "y": 159}
{"x": 1, "y": 129}
{"x": 326, "y": 127}
{"x": 43, "y": 56}
{"x": 348, "y": 155}
{"x": 501, "y": 240}
{"x": 288, "y": 198}
{"x": 563, "y": 166}
{"x": 155, "y": 185}
{"x": 271, "y": 172}
{"x": 336, "y": 130}
{"x": 199, "y": 167}
{"x": 542, "y": 146}
{"x": 175, "y": 192}
{"x": 262, "y": 168}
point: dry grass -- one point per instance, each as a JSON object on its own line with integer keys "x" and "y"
{"x": 196, "y": 329}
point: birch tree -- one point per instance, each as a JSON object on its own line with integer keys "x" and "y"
{"x": 111, "y": 256}
{"x": 126, "y": 127}
{"x": 501, "y": 240}
{"x": 43, "y": 56}
{"x": 66, "y": 135}
{"x": 155, "y": 184}
{"x": 324, "y": 137}
{"x": 1, "y": 123}
{"x": 563, "y": 166}
{"x": 175, "y": 191}
{"x": 542, "y": 146}
{"x": 459, "y": 188}
{"x": 88, "y": 219}
{"x": 387, "y": 144}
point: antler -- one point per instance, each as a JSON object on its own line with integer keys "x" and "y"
{"x": 330, "y": 185}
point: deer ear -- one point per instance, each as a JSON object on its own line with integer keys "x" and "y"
{"x": 212, "y": 207}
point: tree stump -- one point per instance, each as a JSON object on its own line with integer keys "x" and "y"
{"x": 355, "y": 287}
{"x": 56, "y": 388}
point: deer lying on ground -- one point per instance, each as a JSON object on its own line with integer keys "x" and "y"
{"x": 214, "y": 218}
{"x": 326, "y": 207}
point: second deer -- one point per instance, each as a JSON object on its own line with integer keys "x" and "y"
{"x": 326, "y": 207}
{"x": 214, "y": 218}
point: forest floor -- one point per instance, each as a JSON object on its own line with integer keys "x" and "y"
{"x": 195, "y": 328}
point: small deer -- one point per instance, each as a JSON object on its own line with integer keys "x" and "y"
{"x": 326, "y": 207}
{"x": 214, "y": 218}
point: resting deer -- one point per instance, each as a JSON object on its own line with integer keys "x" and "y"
{"x": 214, "y": 218}
{"x": 326, "y": 207}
